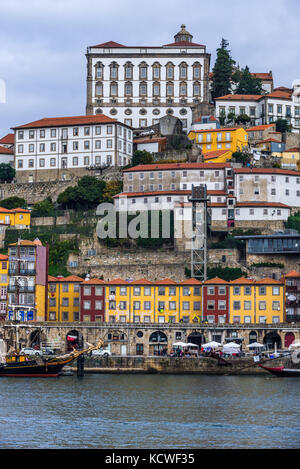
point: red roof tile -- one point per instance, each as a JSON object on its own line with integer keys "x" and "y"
{"x": 150, "y": 140}
{"x": 118, "y": 281}
{"x": 6, "y": 151}
{"x": 263, "y": 76}
{"x": 93, "y": 281}
{"x": 259, "y": 127}
{"x": 240, "y": 97}
{"x": 269, "y": 281}
{"x": 109, "y": 44}
{"x": 215, "y": 154}
{"x": 70, "y": 278}
{"x": 262, "y": 204}
{"x": 8, "y": 139}
{"x": 292, "y": 273}
{"x": 166, "y": 281}
{"x": 183, "y": 44}
{"x": 280, "y": 94}
{"x": 216, "y": 281}
{"x": 3, "y": 257}
{"x": 174, "y": 166}
{"x": 147, "y": 194}
{"x": 242, "y": 281}
{"x": 191, "y": 281}
{"x": 72, "y": 120}
{"x": 266, "y": 171}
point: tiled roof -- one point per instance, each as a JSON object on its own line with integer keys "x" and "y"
{"x": 270, "y": 140}
{"x": 293, "y": 150}
{"x": 14, "y": 210}
{"x": 262, "y": 204}
{"x": 215, "y": 154}
{"x": 215, "y": 281}
{"x": 8, "y": 139}
{"x": 7, "y": 151}
{"x": 141, "y": 281}
{"x": 240, "y": 97}
{"x": 52, "y": 279}
{"x": 118, "y": 281}
{"x": 3, "y": 257}
{"x": 263, "y": 76}
{"x": 259, "y": 127}
{"x": 266, "y": 171}
{"x": 280, "y": 94}
{"x": 166, "y": 281}
{"x": 174, "y": 166}
{"x": 269, "y": 281}
{"x": 242, "y": 281}
{"x": 223, "y": 129}
{"x": 292, "y": 273}
{"x": 27, "y": 243}
{"x": 191, "y": 281}
{"x": 109, "y": 44}
{"x": 93, "y": 281}
{"x": 70, "y": 278}
{"x": 72, "y": 120}
{"x": 154, "y": 193}
{"x": 150, "y": 140}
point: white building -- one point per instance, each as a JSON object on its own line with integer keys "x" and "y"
{"x": 140, "y": 84}
{"x": 282, "y": 103}
{"x": 64, "y": 147}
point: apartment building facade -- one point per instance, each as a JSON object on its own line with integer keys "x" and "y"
{"x": 64, "y": 147}
{"x": 139, "y": 84}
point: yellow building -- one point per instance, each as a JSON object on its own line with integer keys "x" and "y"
{"x": 64, "y": 298}
{"x": 153, "y": 302}
{"x": 210, "y": 140}
{"x": 219, "y": 156}
{"x": 18, "y": 218}
{"x": 289, "y": 158}
{"x": 3, "y": 285}
{"x": 256, "y": 302}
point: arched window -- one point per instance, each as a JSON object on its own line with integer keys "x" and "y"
{"x": 114, "y": 71}
{"x": 143, "y": 89}
{"x": 170, "y": 89}
{"x": 158, "y": 337}
{"x": 197, "y": 71}
{"x": 183, "y": 71}
{"x": 143, "y": 71}
{"x": 156, "y": 71}
{"x": 99, "y": 89}
{"x": 128, "y": 71}
{"x": 183, "y": 89}
{"x": 128, "y": 88}
{"x": 196, "y": 88}
{"x": 99, "y": 71}
{"x": 169, "y": 71}
{"x": 156, "y": 89}
{"x": 114, "y": 89}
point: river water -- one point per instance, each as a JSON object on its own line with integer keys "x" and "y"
{"x": 150, "y": 412}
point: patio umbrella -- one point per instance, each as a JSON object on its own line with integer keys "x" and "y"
{"x": 179, "y": 344}
{"x": 294, "y": 345}
{"x": 231, "y": 345}
{"x": 211, "y": 345}
{"x": 189, "y": 344}
{"x": 255, "y": 345}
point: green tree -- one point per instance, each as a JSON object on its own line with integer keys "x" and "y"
{"x": 87, "y": 194}
{"x": 246, "y": 82}
{"x": 282, "y": 125}
{"x": 13, "y": 202}
{"x": 141, "y": 157}
{"x": 43, "y": 209}
{"x": 112, "y": 188}
{"x": 222, "y": 71}
{"x": 7, "y": 173}
{"x": 242, "y": 119}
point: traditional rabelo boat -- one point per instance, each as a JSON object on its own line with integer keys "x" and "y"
{"x": 17, "y": 365}
{"x": 283, "y": 372}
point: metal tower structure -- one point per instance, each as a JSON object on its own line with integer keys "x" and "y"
{"x": 199, "y": 240}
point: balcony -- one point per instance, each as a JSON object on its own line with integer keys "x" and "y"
{"x": 27, "y": 289}
{"x": 27, "y": 272}
{"x": 11, "y": 288}
{"x": 293, "y": 318}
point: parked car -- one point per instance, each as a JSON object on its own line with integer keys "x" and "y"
{"x": 102, "y": 352}
{"x": 30, "y": 351}
{"x": 47, "y": 351}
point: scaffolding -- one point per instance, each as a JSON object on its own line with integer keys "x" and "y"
{"x": 199, "y": 236}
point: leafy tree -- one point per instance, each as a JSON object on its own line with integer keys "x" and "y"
{"x": 282, "y": 125}
{"x": 242, "y": 119}
{"x": 222, "y": 71}
{"x": 141, "y": 157}
{"x": 241, "y": 157}
{"x": 231, "y": 117}
{"x": 112, "y": 188}
{"x": 246, "y": 82}
{"x": 87, "y": 194}
{"x": 13, "y": 202}
{"x": 43, "y": 209}
{"x": 7, "y": 173}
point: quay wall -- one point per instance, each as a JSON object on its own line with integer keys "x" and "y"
{"x": 170, "y": 365}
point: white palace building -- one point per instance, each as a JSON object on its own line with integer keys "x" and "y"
{"x": 140, "y": 84}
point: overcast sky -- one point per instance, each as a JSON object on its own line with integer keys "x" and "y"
{"x": 43, "y": 43}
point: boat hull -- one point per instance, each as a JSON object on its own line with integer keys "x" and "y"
{"x": 283, "y": 372}
{"x": 32, "y": 369}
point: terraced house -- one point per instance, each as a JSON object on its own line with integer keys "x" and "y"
{"x": 153, "y": 302}
{"x": 64, "y": 298}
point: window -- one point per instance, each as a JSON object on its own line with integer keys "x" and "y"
{"x": 211, "y": 290}
{"x": 236, "y": 305}
{"x": 262, "y": 291}
{"x": 276, "y": 305}
{"x": 262, "y": 305}
{"x": 222, "y": 305}
{"x": 276, "y": 290}
{"x": 52, "y": 162}
{"x": 247, "y": 305}
{"x": 210, "y": 304}
{"x": 236, "y": 290}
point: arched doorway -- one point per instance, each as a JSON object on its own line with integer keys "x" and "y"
{"x": 196, "y": 338}
{"x": 74, "y": 340}
{"x": 35, "y": 340}
{"x": 158, "y": 343}
{"x": 289, "y": 339}
{"x": 271, "y": 340}
{"x": 252, "y": 337}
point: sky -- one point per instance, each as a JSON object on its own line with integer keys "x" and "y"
{"x": 43, "y": 44}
